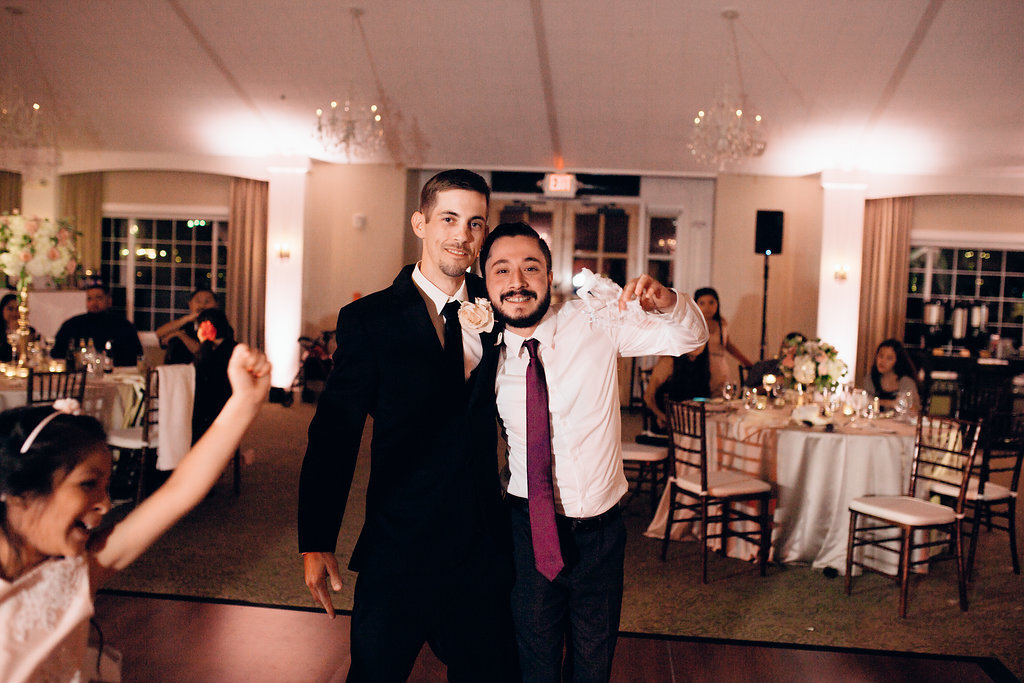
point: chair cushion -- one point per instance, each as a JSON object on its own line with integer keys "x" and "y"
{"x": 643, "y": 453}
{"x": 992, "y": 491}
{"x": 127, "y": 438}
{"x": 723, "y": 484}
{"x": 904, "y": 510}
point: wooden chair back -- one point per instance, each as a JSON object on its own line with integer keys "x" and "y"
{"x": 944, "y": 450}
{"x": 47, "y": 387}
{"x": 688, "y": 438}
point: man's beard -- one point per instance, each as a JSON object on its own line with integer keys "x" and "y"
{"x": 529, "y": 319}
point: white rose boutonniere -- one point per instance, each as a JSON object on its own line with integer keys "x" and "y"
{"x": 476, "y": 316}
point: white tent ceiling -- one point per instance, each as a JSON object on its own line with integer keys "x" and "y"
{"x": 912, "y": 86}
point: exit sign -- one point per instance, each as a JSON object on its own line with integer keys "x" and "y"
{"x": 560, "y": 185}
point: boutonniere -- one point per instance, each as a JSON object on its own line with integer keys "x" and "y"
{"x": 476, "y": 316}
{"x": 206, "y": 332}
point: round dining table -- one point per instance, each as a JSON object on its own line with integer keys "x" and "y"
{"x": 816, "y": 470}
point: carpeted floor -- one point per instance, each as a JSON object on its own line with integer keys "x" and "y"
{"x": 245, "y": 549}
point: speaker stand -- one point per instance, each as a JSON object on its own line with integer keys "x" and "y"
{"x": 764, "y": 306}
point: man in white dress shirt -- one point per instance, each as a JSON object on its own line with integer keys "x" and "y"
{"x": 580, "y": 605}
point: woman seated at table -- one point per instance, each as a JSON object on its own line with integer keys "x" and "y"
{"x": 179, "y": 336}
{"x": 892, "y": 375}
{"x": 9, "y": 306}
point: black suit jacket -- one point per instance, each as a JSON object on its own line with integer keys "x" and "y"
{"x": 434, "y": 492}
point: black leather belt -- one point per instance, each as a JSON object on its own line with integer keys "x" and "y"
{"x": 578, "y": 524}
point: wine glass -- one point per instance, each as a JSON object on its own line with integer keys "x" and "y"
{"x": 749, "y": 398}
{"x": 903, "y": 404}
{"x": 768, "y": 381}
{"x": 729, "y": 391}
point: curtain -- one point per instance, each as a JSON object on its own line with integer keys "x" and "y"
{"x": 10, "y": 191}
{"x": 885, "y": 264}
{"x": 81, "y": 202}
{"x": 247, "y": 260}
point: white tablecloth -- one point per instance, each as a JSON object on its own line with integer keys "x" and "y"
{"x": 816, "y": 474}
{"x": 111, "y": 399}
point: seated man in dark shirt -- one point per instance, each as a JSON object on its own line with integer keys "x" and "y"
{"x": 101, "y": 325}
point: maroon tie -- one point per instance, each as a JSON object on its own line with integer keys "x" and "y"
{"x": 546, "y": 553}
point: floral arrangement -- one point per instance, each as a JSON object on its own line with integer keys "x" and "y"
{"x": 812, "y": 362}
{"x": 476, "y": 316}
{"x": 207, "y": 332}
{"x": 36, "y": 247}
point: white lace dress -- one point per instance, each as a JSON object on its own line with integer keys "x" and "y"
{"x": 44, "y": 622}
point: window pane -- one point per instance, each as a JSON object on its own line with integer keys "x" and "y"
{"x": 579, "y": 264}
{"x": 143, "y": 230}
{"x": 919, "y": 257}
{"x": 183, "y": 278}
{"x": 615, "y": 269}
{"x": 203, "y": 255}
{"x": 660, "y": 271}
{"x": 991, "y": 260}
{"x": 204, "y": 232}
{"x": 222, "y": 255}
{"x": 162, "y": 275}
{"x": 164, "y": 230}
{"x": 965, "y": 285}
{"x": 1013, "y": 312}
{"x": 182, "y": 233}
{"x": 143, "y": 277}
{"x": 915, "y": 308}
{"x": 989, "y": 286}
{"x": 1015, "y": 262}
{"x": 184, "y": 252}
{"x": 944, "y": 259}
{"x": 586, "y": 232}
{"x": 143, "y": 298}
{"x": 663, "y": 235}
{"x": 942, "y": 284}
{"x": 161, "y": 318}
{"x": 1014, "y": 288}
{"x": 616, "y": 232}
{"x": 916, "y": 283}
{"x": 966, "y": 259}
{"x": 162, "y": 298}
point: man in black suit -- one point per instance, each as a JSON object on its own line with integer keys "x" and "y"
{"x": 433, "y": 556}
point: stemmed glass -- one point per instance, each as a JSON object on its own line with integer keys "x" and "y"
{"x": 768, "y": 381}
{"x": 729, "y": 391}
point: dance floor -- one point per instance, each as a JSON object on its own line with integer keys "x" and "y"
{"x": 170, "y": 638}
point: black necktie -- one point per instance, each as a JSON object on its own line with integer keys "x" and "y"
{"x": 455, "y": 365}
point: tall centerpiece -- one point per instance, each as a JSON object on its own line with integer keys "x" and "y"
{"x": 813, "y": 363}
{"x": 33, "y": 247}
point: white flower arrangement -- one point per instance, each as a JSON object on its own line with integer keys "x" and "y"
{"x": 476, "y": 316}
{"x": 36, "y": 247}
{"x": 813, "y": 362}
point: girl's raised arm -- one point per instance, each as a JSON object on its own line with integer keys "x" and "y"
{"x": 249, "y": 373}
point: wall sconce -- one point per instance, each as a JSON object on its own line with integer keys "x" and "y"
{"x": 840, "y": 273}
{"x": 284, "y": 252}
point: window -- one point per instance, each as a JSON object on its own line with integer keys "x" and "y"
{"x": 661, "y": 249}
{"x": 152, "y": 264}
{"x": 966, "y": 275}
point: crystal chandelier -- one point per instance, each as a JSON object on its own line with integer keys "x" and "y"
{"x": 728, "y": 131}
{"x": 27, "y": 134}
{"x": 356, "y": 131}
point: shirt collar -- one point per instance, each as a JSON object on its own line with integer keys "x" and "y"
{"x": 545, "y": 334}
{"x": 436, "y": 296}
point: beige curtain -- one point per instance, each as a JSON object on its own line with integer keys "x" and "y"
{"x": 81, "y": 202}
{"x": 247, "y": 260}
{"x": 10, "y": 191}
{"x": 883, "y": 300}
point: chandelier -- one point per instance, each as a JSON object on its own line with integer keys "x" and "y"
{"x": 27, "y": 134}
{"x": 728, "y": 131}
{"x": 366, "y": 131}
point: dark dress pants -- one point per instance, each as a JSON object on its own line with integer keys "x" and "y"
{"x": 580, "y": 608}
{"x": 463, "y": 614}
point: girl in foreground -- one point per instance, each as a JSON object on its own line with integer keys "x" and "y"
{"x": 54, "y": 474}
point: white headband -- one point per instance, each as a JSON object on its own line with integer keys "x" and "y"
{"x": 62, "y": 406}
